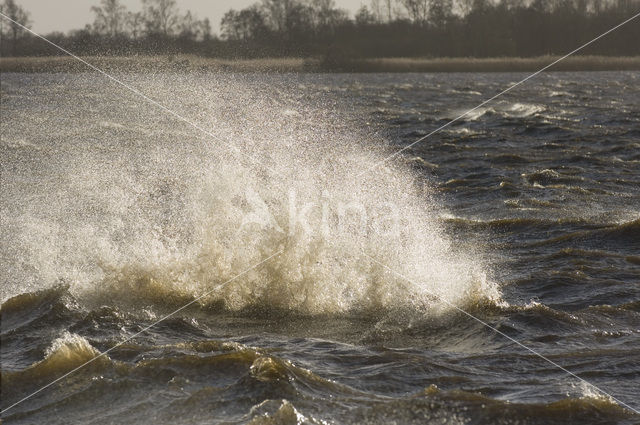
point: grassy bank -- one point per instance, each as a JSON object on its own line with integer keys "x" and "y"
{"x": 150, "y": 63}
{"x": 195, "y": 63}
{"x": 572, "y": 63}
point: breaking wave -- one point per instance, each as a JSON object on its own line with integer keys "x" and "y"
{"x": 162, "y": 215}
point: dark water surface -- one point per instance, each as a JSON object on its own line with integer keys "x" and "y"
{"x": 525, "y": 214}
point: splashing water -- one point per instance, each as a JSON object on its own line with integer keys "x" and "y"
{"x": 123, "y": 203}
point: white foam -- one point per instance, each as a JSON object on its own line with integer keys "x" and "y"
{"x": 167, "y": 216}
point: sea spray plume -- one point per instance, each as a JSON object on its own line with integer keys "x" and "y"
{"x": 149, "y": 213}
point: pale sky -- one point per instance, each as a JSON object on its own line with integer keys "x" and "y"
{"x": 65, "y": 15}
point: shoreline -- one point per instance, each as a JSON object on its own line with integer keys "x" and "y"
{"x": 190, "y": 63}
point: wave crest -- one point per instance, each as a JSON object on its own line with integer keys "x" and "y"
{"x": 171, "y": 218}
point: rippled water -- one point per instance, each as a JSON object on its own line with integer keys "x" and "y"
{"x": 526, "y": 214}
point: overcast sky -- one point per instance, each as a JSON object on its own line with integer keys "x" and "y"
{"x": 64, "y": 15}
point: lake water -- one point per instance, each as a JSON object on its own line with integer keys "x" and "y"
{"x": 329, "y": 285}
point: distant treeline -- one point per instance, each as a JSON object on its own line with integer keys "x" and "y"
{"x": 317, "y": 28}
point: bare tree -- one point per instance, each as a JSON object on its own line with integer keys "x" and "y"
{"x": 110, "y": 18}
{"x": 229, "y": 26}
{"x": 383, "y": 10}
{"x": 13, "y": 30}
{"x": 468, "y": 6}
{"x": 244, "y": 25}
{"x": 365, "y": 17}
{"x": 440, "y": 12}
{"x": 205, "y": 29}
{"x": 187, "y": 27}
{"x": 135, "y": 24}
{"x": 323, "y": 11}
{"x": 161, "y": 16}
{"x": 325, "y": 16}
{"x": 278, "y": 13}
{"x": 376, "y": 10}
{"x": 389, "y": 9}
{"x": 418, "y": 10}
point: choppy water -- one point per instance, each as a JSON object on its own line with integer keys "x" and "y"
{"x": 525, "y": 214}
